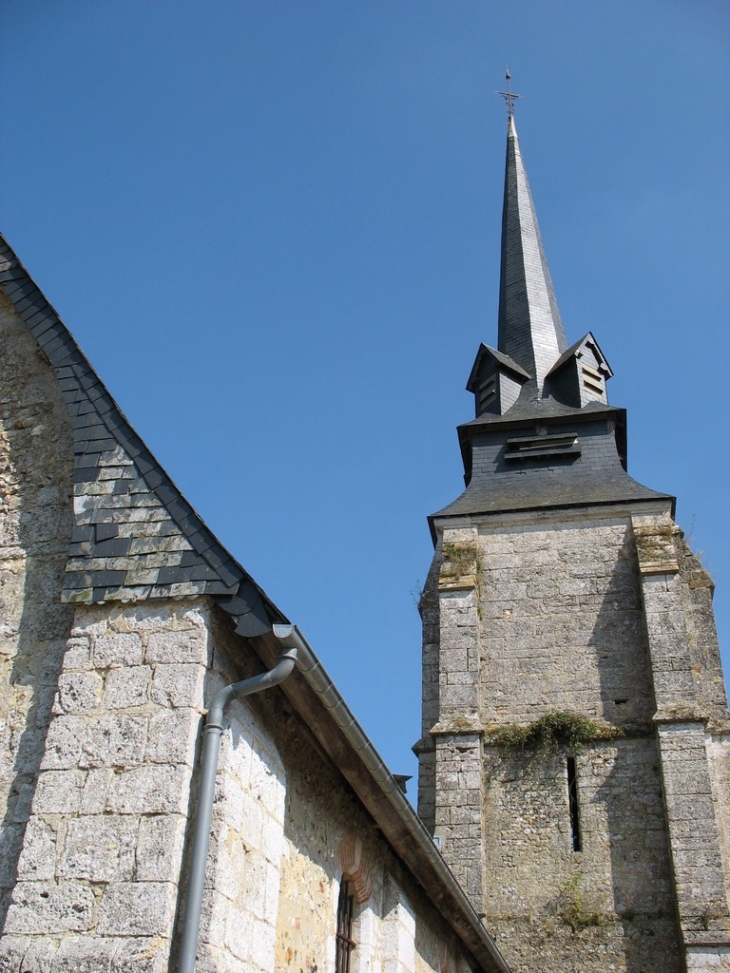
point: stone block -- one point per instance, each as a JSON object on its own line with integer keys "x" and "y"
{"x": 231, "y": 862}
{"x": 78, "y": 653}
{"x": 141, "y": 955}
{"x": 128, "y": 687}
{"x": 38, "y": 858}
{"x": 118, "y": 649}
{"x": 268, "y": 785}
{"x": 41, "y": 909}
{"x": 58, "y": 792}
{"x": 12, "y": 951}
{"x": 64, "y": 742}
{"x": 94, "y": 794}
{"x": 172, "y": 737}
{"x": 78, "y": 692}
{"x": 99, "y": 848}
{"x": 190, "y": 646}
{"x": 150, "y": 789}
{"x": 137, "y": 909}
{"x": 114, "y": 741}
{"x": 238, "y": 935}
{"x": 85, "y": 955}
{"x": 178, "y": 685}
{"x": 11, "y": 843}
{"x": 143, "y": 618}
{"x": 159, "y": 848}
{"x": 89, "y": 622}
{"x": 253, "y": 823}
{"x": 261, "y": 946}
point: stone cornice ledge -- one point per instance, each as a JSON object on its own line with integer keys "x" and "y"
{"x": 680, "y": 714}
{"x": 466, "y": 725}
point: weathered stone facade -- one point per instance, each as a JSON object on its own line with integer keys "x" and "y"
{"x": 100, "y": 863}
{"x": 120, "y": 617}
{"x": 36, "y": 463}
{"x": 522, "y": 619}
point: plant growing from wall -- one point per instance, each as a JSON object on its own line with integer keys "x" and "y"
{"x": 561, "y": 728}
{"x": 460, "y": 559}
{"x": 574, "y": 910}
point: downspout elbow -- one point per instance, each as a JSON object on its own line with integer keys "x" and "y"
{"x": 291, "y": 642}
{"x": 290, "y": 639}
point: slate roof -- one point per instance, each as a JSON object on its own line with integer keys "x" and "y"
{"x": 594, "y": 477}
{"x": 500, "y": 475}
{"x": 530, "y": 329}
{"x": 135, "y": 536}
{"x": 568, "y": 354}
{"x": 500, "y": 358}
{"x": 534, "y": 410}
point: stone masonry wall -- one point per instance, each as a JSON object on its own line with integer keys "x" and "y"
{"x": 103, "y": 851}
{"x": 99, "y": 869}
{"x": 539, "y": 614}
{"x": 552, "y": 907}
{"x": 328, "y": 836}
{"x": 35, "y": 528}
{"x": 561, "y": 622}
{"x": 684, "y": 665}
{"x": 718, "y": 752}
{"x": 457, "y": 734}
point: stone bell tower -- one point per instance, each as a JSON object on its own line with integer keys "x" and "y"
{"x": 575, "y": 756}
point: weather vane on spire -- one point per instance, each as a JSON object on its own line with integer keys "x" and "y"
{"x": 509, "y": 96}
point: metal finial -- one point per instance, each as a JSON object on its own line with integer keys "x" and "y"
{"x": 509, "y": 96}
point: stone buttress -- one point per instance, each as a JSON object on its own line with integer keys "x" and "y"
{"x": 563, "y": 598}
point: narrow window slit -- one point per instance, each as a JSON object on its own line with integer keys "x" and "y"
{"x": 345, "y": 942}
{"x": 575, "y": 840}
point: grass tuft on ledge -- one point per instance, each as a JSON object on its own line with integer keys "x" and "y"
{"x": 561, "y": 728}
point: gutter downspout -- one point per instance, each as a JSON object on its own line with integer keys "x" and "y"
{"x": 291, "y": 641}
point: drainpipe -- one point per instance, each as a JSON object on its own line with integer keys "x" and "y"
{"x": 291, "y": 640}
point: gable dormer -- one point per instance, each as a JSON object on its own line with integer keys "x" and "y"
{"x": 496, "y": 381}
{"x": 579, "y": 376}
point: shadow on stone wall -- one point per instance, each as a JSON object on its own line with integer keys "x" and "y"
{"x": 36, "y": 454}
{"x": 627, "y": 778}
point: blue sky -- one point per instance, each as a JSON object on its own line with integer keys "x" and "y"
{"x": 273, "y": 227}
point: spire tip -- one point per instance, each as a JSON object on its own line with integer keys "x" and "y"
{"x": 509, "y": 96}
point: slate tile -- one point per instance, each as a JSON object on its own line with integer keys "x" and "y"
{"x": 77, "y": 579}
{"x": 83, "y": 532}
{"x": 174, "y": 575}
{"x": 105, "y": 579}
{"x": 113, "y": 547}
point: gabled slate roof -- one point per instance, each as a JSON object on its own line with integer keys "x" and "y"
{"x": 135, "y": 536}
{"x": 568, "y": 354}
{"x": 500, "y": 358}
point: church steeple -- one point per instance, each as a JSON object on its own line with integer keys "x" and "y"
{"x": 532, "y": 363}
{"x": 543, "y": 433}
{"x": 530, "y": 330}
{"x": 561, "y": 590}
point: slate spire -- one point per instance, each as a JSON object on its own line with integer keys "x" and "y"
{"x": 530, "y": 330}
